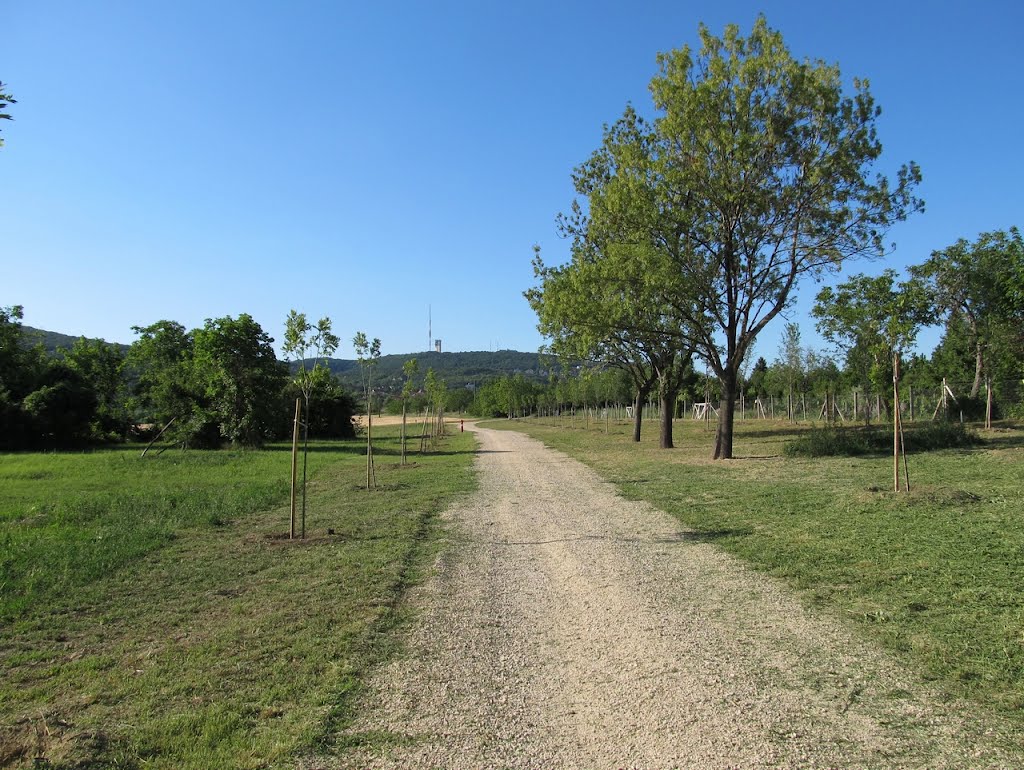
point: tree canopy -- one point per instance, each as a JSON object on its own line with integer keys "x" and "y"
{"x": 979, "y": 286}
{"x": 871, "y": 319}
{"x": 757, "y": 171}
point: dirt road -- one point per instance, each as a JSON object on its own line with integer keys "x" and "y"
{"x": 569, "y": 628}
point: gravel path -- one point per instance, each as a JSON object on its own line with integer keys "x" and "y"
{"x": 570, "y": 628}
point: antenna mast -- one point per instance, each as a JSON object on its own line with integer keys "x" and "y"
{"x": 430, "y": 331}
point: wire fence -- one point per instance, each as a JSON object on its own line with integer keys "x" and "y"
{"x": 943, "y": 400}
{"x": 946, "y": 399}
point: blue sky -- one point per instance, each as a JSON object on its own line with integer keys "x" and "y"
{"x": 364, "y": 161}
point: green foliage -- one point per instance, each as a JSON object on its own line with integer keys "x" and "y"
{"x": 505, "y": 397}
{"x": 219, "y": 383}
{"x": 756, "y": 172}
{"x": 976, "y": 287}
{"x": 330, "y": 407}
{"x": 101, "y": 366}
{"x": 873, "y": 319}
{"x": 459, "y": 400}
{"x": 368, "y": 355}
{"x": 62, "y": 408}
{"x": 239, "y": 377}
{"x": 45, "y": 402}
{"x": 456, "y": 369}
{"x": 161, "y": 357}
{"x": 303, "y": 341}
{"x": 55, "y": 343}
{"x": 409, "y": 370}
{"x": 5, "y": 100}
{"x": 436, "y": 390}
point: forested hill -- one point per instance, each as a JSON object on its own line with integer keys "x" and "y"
{"x": 53, "y": 340}
{"x": 456, "y": 369}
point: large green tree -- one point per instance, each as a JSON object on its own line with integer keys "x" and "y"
{"x": 101, "y": 366}
{"x": 873, "y": 319}
{"x": 756, "y": 172}
{"x": 601, "y": 307}
{"x": 221, "y": 382}
{"x": 69, "y": 400}
{"x": 164, "y": 392}
{"x": 238, "y": 373}
{"x": 975, "y": 287}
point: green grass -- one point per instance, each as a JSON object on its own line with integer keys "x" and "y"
{"x": 935, "y": 575}
{"x": 202, "y": 637}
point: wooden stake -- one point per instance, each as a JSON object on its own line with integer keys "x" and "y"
{"x": 295, "y": 465}
{"x": 158, "y": 435}
{"x": 988, "y": 405}
{"x": 896, "y": 423}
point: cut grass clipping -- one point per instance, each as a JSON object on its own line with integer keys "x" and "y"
{"x": 935, "y": 575}
{"x": 156, "y": 615}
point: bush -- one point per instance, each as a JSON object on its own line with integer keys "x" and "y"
{"x": 832, "y": 442}
{"x": 851, "y": 442}
{"x": 940, "y": 435}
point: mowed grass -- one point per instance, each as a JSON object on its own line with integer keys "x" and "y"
{"x": 157, "y": 616}
{"x": 936, "y": 574}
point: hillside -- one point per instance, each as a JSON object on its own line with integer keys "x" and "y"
{"x": 53, "y": 340}
{"x": 456, "y": 369}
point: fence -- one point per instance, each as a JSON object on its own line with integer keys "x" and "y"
{"x": 944, "y": 399}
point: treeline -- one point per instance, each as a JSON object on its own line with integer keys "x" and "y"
{"x": 455, "y": 369}
{"x": 797, "y": 382}
{"x": 215, "y": 385}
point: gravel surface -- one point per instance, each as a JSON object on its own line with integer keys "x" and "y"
{"x": 566, "y": 627}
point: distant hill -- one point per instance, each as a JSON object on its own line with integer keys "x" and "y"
{"x": 456, "y": 369}
{"x": 53, "y": 340}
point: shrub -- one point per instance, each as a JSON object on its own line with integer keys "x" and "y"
{"x": 831, "y": 442}
{"x": 850, "y": 442}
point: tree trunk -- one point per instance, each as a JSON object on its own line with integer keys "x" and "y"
{"x": 638, "y": 411}
{"x": 978, "y": 366}
{"x": 668, "y": 402}
{"x": 403, "y": 431}
{"x": 726, "y": 417}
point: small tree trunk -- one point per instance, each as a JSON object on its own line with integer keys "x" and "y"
{"x": 403, "y": 431}
{"x": 305, "y": 455}
{"x": 978, "y": 367}
{"x": 295, "y": 466}
{"x": 638, "y": 411}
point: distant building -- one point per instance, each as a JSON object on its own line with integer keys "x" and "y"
{"x": 437, "y": 346}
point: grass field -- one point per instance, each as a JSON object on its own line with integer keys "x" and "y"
{"x": 155, "y": 614}
{"x": 935, "y": 575}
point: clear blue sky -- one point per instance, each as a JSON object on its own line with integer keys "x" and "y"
{"x": 188, "y": 160}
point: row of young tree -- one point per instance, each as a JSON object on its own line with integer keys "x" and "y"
{"x": 795, "y": 385}
{"x": 691, "y": 232}
{"x": 218, "y": 384}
